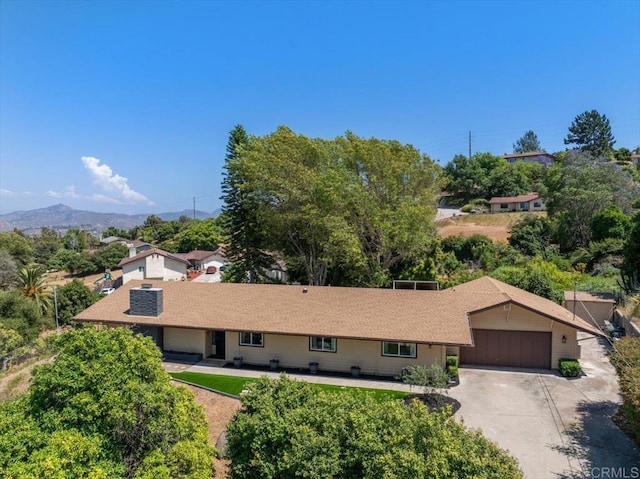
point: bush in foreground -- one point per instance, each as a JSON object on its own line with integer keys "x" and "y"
{"x": 626, "y": 359}
{"x": 292, "y": 429}
{"x": 104, "y": 409}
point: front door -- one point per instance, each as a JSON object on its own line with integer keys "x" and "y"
{"x": 219, "y": 342}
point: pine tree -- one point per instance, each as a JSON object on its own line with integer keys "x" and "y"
{"x": 591, "y": 131}
{"x": 529, "y": 142}
{"x": 245, "y": 238}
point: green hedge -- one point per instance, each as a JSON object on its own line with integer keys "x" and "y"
{"x": 570, "y": 368}
{"x": 626, "y": 359}
{"x": 452, "y": 361}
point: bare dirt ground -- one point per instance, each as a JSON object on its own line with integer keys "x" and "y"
{"x": 17, "y": 381}
{"x": 496, "y": 226}
{"x": 219, "y": 410}
{"x": 59, "y": 278}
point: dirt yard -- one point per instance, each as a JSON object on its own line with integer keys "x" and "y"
{"x": 59, "y": 278}
{"x": 219, "y": 410}
{"x": 496, "y": 226}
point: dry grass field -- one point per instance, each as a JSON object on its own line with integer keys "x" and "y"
{"x": 496, "y": 226}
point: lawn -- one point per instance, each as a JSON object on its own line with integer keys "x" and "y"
{"x": 234, "y": 385}
{"x": 496, "y": 219}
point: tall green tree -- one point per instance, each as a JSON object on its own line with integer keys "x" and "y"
{"x": 18, "y": 247}
{"x": 8, "y": 270}
{"x": 45, "y": 245}
{"x": 580, "y": 188}
{"x": 245, "y": 246}
{"x": 104, "y": 408}
{"x": 527, "y": 143}
{"x": 471, "y": 178}
{"x": 204, "y": 235}
{"x": 73, "y": 298}
{"x": 109, "y": 256}
{"x": 76, "y": 240}
{"x": 590, "y": 131}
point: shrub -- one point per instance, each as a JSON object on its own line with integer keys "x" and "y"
{"x": 570, "y": 368}
{"x": 452, "y": 361}
{"x": 291, "y": 429}
{"x": 467, "y": 208}
{"x": 626, "y": 359}
{"x": 453, "y": 371}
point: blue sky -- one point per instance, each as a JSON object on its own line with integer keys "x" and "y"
{"x": 126, "y": 106}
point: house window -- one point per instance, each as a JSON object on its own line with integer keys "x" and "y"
{"x": 537, "y": 204}
{"x": 141, "y": 269}
{"x": 524, "y": 206}
{"x": 251, "y": 339}
{"x": 504, "y": 206}
{"x": 321, "y": 343}
{"x": 402, "y": 350}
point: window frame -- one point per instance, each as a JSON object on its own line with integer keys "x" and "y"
{"x": 413, "y": 346}
{"x": 251, "y": 337}
{"x": 333, "y": 340}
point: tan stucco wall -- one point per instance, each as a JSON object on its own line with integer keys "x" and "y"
{"x": 598, "y": 310}
{"x": 495, "y": 207}
{"x": 293, "y": 352}
{"x": 185, "y": 340}
{"x": 520, "y": 319}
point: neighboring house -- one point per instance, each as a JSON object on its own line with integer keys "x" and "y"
{"x": 113, "y": 239}
{"x": 596, "y": 308}
{"x": 528, "y": 202}
{"x": 153, "y": 264}
{"x": 382, "y": 331}
{"x": 531, "y": 157}
{"x": 201, "y": 260}
{"x": 634, "y": 159}
{"x": 140, "y": 245}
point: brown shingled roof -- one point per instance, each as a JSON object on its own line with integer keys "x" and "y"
{"x": 533, "y": 302}
{"x": 439, "y": 317}
{"x": 514, "y": 199}
{"x": 149, "y": 252}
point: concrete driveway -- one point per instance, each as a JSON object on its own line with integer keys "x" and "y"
{"x": 556, "y": 427}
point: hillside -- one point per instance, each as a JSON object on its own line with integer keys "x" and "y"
{"x": 61, "y": 218}
{"x": 495, "y": 226}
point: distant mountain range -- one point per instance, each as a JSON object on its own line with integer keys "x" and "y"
{"x": 62, "y": 217}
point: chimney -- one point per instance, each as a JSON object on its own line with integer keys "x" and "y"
{"x": 132, "y": 251}
{"x": 145, "y": 301}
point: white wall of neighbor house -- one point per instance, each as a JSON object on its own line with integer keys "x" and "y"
{"x": 521, "y": 319}
{"x": 185, "y": 340}
{"x": 130, "y": 271}
{"x": 293, "y": 352}
{"x": 174, "y": 270}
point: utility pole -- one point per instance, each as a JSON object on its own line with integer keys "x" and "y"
{"x": 55, "y": 302}
{"x": 469, "y": 144}
{"x": 194, "y": 207}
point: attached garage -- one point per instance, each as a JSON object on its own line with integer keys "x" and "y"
{"x": 519, "y": 349}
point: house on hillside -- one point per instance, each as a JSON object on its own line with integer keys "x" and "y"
{"x": 153, "y": 264}
{"x": 485, "y": 322}
{"x": 200, "y": 260}
{"x": 541, "y": 157}
{"x": 506, "y": 204}
{"x": 113, "y": 239}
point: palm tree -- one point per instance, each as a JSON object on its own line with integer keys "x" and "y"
{"x": 31, "y": 282}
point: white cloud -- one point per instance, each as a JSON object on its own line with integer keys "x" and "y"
{"x": 104, "y": 199}
{"x": 104, "y": 177}
{"x": 6, "y": 193}
{"x": 69, "y": 192}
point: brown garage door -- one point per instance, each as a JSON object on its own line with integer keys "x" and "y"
{"x": 519, "y": 349}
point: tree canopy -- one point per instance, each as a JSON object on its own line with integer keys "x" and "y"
{"x": 293, "y": 429}
{"x": 591, "y": 131}
{"x": 104, "y": 408}
{"x": 527, "y": 143}
{"x": 360, "y": 205}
